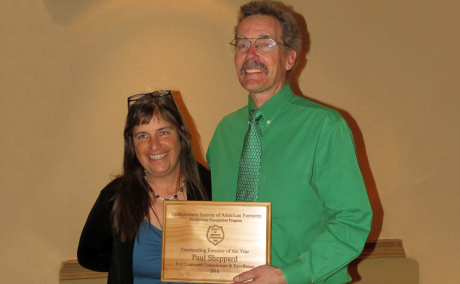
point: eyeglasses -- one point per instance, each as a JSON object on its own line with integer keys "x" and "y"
{"x": 156, "y": 94}
{"x": 263, "y": 45}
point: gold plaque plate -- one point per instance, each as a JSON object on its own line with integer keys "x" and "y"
{"x": 212, "y": 241}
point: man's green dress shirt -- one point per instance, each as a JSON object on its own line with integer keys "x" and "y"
{"x": 321, "y": 215}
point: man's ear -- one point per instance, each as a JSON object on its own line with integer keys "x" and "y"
{"x": 291, "y": 57}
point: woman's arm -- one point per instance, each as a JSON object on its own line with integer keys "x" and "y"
{"x": 95, "y": 247}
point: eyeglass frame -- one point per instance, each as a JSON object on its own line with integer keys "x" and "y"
{"x": 255, "y": 39}
{"x": 152, "y": 94}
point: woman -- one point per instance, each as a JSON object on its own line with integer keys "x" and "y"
{"x": 123, "y": 232}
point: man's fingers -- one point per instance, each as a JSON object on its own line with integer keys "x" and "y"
{"x": 245, "y": 276}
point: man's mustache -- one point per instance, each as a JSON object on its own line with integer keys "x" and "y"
{"x": 254, "y": 64}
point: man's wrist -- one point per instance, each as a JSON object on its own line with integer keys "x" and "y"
{"x": 296, "y": 272}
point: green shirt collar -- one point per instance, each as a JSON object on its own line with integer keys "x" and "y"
{"x": 272, "y": 107}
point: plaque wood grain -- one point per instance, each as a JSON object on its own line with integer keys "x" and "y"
{"x": 212, "y": 241}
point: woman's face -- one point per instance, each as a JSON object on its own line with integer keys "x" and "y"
{"x": 157, "y": 148}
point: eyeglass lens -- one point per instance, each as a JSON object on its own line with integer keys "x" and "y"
{"x": 263, "y": 45}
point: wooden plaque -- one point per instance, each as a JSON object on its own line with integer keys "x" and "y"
{"x": 212, "y": 241}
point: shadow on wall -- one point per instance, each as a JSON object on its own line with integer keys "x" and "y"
{"x": 302, "y": 56}
{"x": 196, "y": 138}
{"x": 357, "y": 134}
{"x": 66, "y": 12}
{"x": 63, "y": 12}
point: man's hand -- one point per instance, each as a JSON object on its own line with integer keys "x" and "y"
{"x": 264, "y": 274}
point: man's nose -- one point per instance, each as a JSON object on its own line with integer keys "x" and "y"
{"x": 252, "y": 51}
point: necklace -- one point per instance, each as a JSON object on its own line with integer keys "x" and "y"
{"x": 170, "y": 198}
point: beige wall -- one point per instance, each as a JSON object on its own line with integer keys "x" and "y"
{"x": 66, "y": 68}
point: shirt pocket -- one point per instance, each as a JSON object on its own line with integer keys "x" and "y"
{"x": 285, "y": 189}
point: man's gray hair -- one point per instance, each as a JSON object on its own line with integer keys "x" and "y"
{"x": 289, "y": 29}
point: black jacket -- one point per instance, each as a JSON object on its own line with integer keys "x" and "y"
{"x": 98, "y": 250}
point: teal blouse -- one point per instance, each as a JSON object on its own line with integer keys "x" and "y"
{"x": 147, "y": 255}
{"x": 321, "y": 215}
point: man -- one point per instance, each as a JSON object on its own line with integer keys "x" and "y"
{"x": 307, "y": 165}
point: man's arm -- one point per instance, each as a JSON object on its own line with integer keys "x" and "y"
{"x": 340, "y": 187}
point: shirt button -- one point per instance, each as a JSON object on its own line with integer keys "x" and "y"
{"x": 268, "y": 121}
